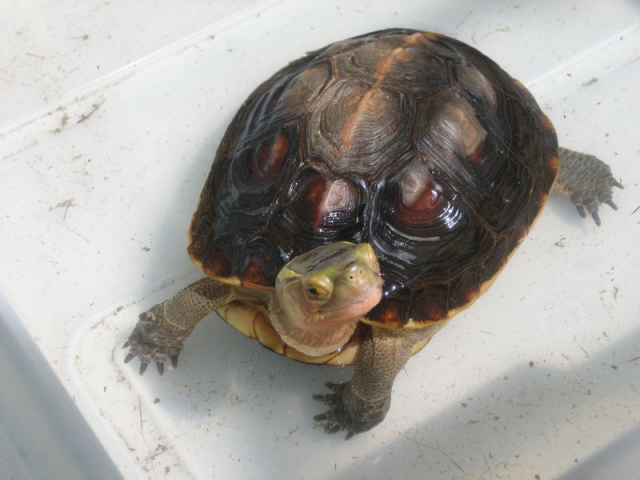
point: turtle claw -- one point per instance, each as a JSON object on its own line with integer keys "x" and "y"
{"x": 322, "y": 416}
{"x": 348, "y": 411}
{"x": 334, "y": 387}
{"x": 594, "y": 214}
{"x": 339, "y": 417}
{"x": 587, "y": 181}
{"x": 154, "y": 340}
{"x": 330, "y": 426}
{"x": 327, "y": 397}
{"x": 336, "y": 418}
{"x": 592, "y": 208}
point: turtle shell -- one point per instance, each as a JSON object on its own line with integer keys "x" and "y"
{"x": 412, "y": 141}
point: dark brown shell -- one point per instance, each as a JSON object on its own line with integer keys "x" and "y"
{"x": 412, "y": 141}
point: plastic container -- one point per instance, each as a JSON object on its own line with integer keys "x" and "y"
{"x": 540, "y": 377}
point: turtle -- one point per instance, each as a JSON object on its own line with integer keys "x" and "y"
{"x": 360, "y": 198}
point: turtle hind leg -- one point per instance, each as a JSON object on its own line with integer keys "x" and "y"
{"x": 362, "y": 403}
{"x": 161, "y": 330}
{"x": 587, "y": 181}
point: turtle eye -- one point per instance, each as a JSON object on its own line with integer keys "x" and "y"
{"x": 315, "y": 290}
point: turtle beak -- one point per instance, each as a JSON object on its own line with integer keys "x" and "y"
{"x": 359, "y": 289}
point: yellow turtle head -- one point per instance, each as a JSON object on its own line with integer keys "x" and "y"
{"x": 321, "y": 294}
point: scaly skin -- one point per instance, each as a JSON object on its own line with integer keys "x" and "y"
{"x": 161, "y": 330}
{"x": 362, "y": 403}
{"x": 587, "y": 181}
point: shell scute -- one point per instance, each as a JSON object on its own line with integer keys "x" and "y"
{"x": 411, "y": 141}
{"x": 356, "y": 127}
{"x": 318, "y": 210}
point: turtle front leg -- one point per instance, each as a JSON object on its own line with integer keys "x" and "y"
{"x": 587, "y": 181}
{"x": 161, "y": 330}
{"x": 362, "y": 403}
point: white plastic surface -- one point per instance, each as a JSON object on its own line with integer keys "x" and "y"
{"x": 96, "y": 194}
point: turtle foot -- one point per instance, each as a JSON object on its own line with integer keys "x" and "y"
{"x": 348, "y": 414}
{"x": 154, "y": 340}
{"x": 588, "y": 181}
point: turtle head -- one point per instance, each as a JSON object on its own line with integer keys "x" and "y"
{"x": 321, "y": 294}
